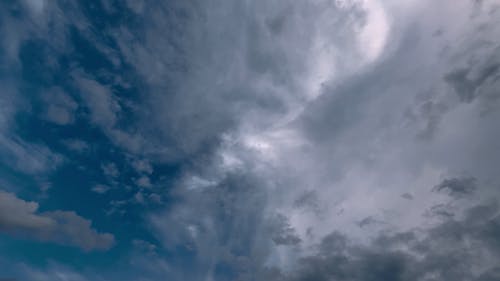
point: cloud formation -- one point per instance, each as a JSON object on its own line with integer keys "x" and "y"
{"x": 256, "y": 140}
{"x": 453, "y": 249}
{"x": 21, "y": 218}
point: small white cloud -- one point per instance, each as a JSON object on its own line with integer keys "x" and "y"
{"x": 139, "y": 198}
{"x": 142, "y": 166}
{"x": 110, "y": 170}
{"x": 144, "y": 182}
{"x": 196, "y": 182}
{"x": 100, "y": 188}
{"x": 60, "y": 107}
{"x": 155, "y": 198}
{"x": 76, "y": 145}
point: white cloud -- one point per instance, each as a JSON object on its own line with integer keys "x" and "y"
{"x": 100, "y": 188}
{"x": 110, "y": 170}
{"x": 144, "y": 182}
{"x": 142, "y": 166}
{"x": 76, "y": 145}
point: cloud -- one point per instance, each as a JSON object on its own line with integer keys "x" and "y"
{"x": 337, "y": 149}
{"x": 296, "y": 127}
{"x": 407, "y": 196}
{"x": 21, "y": 218}
{"x": 61, "y": 108}
{"x": 283, "y": 234}
{"x": 457, "y": 187}
{"x": 100, "y": 101}
{"x": 100, "y": 189}
{"x": 15, "y": 152}
{"x": 445, "y": 251}
{"x": 221, "y": 75}
{"x": 479, "y": 78}
{"x": 110, "y": 170}
{"x": 143, "y": 182}
{"x": 76, "y": 145}
{"x": 142, "y": 166}
{"x": 224, "y": 230}
{"x": 28, "y": 157}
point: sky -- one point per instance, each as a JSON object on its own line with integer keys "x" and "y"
{"x": 214, "y": 140}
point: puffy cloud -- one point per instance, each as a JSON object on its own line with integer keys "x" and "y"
{"x": 21, "y": 218}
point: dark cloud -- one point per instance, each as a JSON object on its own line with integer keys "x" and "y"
{"x": 444, "y": 252}
{"x": 309, "y": 201}
{"x": 468, "y": 88}
{"x": 490, "y": 275}
{"x": 368, "y": 221}
{"x": 282, "y": 233}
{"x": 407, "y": 196}
{"x": 439, "y": 210}
{"x": 457, "y": 187}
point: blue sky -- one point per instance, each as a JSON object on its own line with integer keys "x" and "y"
{"x": 249, "y": 140}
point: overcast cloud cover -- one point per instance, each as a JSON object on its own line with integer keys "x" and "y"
{"x": 307, "y": 140}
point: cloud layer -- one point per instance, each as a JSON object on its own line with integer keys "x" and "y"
{"x": 254, "y": 140}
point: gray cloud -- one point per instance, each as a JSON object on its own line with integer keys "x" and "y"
{"x": 287, "y": 108}
{"x": 216, "y": 76}
{"x": 407, "y": 196}
{"x": 282, "y": 232}
{"x": 479, "y": 79}
{"x": 21, "y": 218}
{"x": 389, "y": 127}
{"x": 30, "y": 158}
{"x": 457, "y": 187}
{"x": 446, "y": 251}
